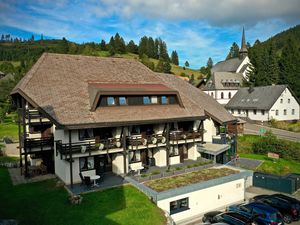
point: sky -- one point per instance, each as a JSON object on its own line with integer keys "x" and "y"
{"x": 196, "y": 29}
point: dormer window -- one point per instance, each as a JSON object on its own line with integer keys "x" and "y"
{"x": 164, "y": 100}
{"x": 111, "y": 101}
{"x": 146, "y": 100}
{"x": 122, "y": 101}
{"x": 154, "y": 100}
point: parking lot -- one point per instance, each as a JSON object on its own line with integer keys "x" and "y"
{"x": 250, "y": 193}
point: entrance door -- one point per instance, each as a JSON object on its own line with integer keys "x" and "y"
{"x": 103, "y": 164}
{"x": 183, "y": 152}
{"x": 144, "y": 157}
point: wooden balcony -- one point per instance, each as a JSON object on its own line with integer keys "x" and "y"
{"x": 177, "y": 135}
{"x": 31, "y": 145}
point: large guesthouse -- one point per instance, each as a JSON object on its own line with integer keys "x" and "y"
{"x": 97, "y": 115}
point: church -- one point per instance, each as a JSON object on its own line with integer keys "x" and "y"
{"x": 228, "y": 75}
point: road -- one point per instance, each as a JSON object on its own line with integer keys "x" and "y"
{"x": 282, "y": 134}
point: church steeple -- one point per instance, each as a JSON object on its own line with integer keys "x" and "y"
{"x": 243, "y": 50}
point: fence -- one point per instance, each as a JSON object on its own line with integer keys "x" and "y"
{"x": 287, "y": 184}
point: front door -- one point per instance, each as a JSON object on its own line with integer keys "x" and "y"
{"x": 183, "y": 152}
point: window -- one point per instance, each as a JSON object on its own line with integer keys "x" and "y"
{"x": 254, "y": 111}
{"x": 284, "y": 112}
{"x": 122, "y": 101}
{"x": 229, "y": 95}
{"x": 146, "y": 100}
{"x": 111, "y": 101}
{"x": 232, "y": 111}
{"x": 134, "y": 156}
{"x": 154, "y": 100}
{"x": 276, "y": 112}
{"x": 174, "y": 150}
{"x": 281, "y": 100}
{"x": 179, "y": 206}
{"x": 293, "y": 111}
{"x": 239, "y": 111}
{"x": 289, "y": 100}
{"x": 262, "y": 112}
{"x": 86, "y": 134}
{"x": 164, "y": 100}
{"x": 222, "y": 95}
{"x": 86, "y": 163}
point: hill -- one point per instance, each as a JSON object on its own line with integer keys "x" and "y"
{"x": 277, "y": 60}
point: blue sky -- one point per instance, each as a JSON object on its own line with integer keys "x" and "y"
{"x": 197, "y": 29}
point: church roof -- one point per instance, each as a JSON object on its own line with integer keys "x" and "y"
{"x": 256, "y": 98}
{"x": 229, "y": 65}
{"x": 224, "y": 81}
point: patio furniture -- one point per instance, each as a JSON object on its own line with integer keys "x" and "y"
{"x": 94, "y": 179}
{"x": 87, "y": 181}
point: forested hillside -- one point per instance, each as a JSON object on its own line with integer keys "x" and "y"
{"x": 277, "y": 60}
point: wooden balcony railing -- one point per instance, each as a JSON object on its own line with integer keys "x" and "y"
{"x": 139, "y": 139}
{"x": 177, "y": 135}
{"x": 37, "y": 144}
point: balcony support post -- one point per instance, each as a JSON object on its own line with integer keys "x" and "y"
{"x": 71, "y": 158}
{"x": 24, "y": 137}
{"x": 168, "y": 143}
{"x": 124, "y": 150}
{"x": 202, "y": 131}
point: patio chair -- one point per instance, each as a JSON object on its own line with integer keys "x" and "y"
{"x": 81, "y": 178}
{"x": 88, "y": 182}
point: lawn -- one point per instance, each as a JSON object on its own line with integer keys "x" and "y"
{"x": 9, "y": 128}
{"x": 290, "y": 126}
{"x": 9, "y": 159}
{"x": 167, "y": 183}
{"x": 273, "y": 166}
{"x": 43, "y": 203}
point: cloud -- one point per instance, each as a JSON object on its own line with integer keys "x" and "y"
{"x": 215, "y": 12}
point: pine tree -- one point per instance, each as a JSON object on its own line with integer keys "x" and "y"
{"x": 163, "y": 52}
{"x": 156, "y": 48}
{"x": 187, "y": 64}
{"x": 103, "y": 45}
{"x": 132, "y": 47}
{"x": 119, "y": 44}
{"x": 143, "y": 46}
{"x": 209, "y": 63}
{"x": 174, "y": 58}
{"x": 111, "y": 46}
{"x": 234, "y": 51}
{"x": 163, "y": 66}
{"x": 151, "y": 48}
{"x": 42, "y": 37}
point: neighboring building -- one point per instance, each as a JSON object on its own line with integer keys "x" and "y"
{"x": 235, "y": 65}
{"x": 97, "y": 115}
{"x": 265, "y": 103}
{"x": 222, "y": 86}
{"x": 228, "y": 76}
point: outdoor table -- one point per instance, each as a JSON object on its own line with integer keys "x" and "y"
{"x": 94, "y": 178}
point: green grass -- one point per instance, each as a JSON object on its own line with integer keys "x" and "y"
{"x": 43, "y": 203}
{"x": 14, "y": 63}
{"x": 9, "y": 128}
{"x": 9, "y": 159}
{"x": 290, "y": 126}
{"x": 181, "y": 180}
{"x": 273, "y": 166}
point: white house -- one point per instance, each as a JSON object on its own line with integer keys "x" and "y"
{"x": 228, "y": 76}
{"x": 98, "y": 115}
{"x": 265, "y": 103}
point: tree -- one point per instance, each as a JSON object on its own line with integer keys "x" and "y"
{"x": 151, "y": 48}
{"x": 234, "y": 51}
{"x": 132, "y": 47}
{"x": 119, "y": 44}
{"x": 163, "y": 52}
{"x": 103, "y": 45}
{"x": 209, "y": 63}
{"x": 2, "y": 38}
{"x": 163, "y": 66}
{"x": 156, "y": 48}
{"x": 143, "y": 46}
{"x": 174, "y": 58}
{"x": 111, "y": 46}
{"x": 42, "y": 37}
{"x": 187, "y": 64}
{"x": 32, "y": 38}
{"x": 145, "y": 60}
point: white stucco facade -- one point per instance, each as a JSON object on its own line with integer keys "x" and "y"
{"x": 222, "y": 96}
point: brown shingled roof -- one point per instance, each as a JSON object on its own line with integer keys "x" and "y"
{"x": 59, "y": 85}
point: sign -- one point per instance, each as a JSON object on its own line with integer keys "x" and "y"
{"x": 273, "y": 155}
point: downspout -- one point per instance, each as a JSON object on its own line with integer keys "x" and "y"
{"x": 71, "y": 158}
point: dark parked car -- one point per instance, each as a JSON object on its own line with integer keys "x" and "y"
{"x": 293, "y": 201}
{"x": 232, "y": 218}
{"x": 266, "y": 214}
{"x": 288, "y": 211}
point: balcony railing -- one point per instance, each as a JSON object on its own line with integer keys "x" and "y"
{"x": 177, "y": 135}
{"x": 146, "y": 140}
{"x": 36, "y": 144}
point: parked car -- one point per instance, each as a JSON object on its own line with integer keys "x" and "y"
{"x": 289, "y": 213}
{"x": 267, "y": 215}
{"x": 231, "y": 218}
{"x": 293, "y": 201}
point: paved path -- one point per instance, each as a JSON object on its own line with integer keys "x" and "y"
{"x": 283, "y": 134}
{"x": 17, "y": 178}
